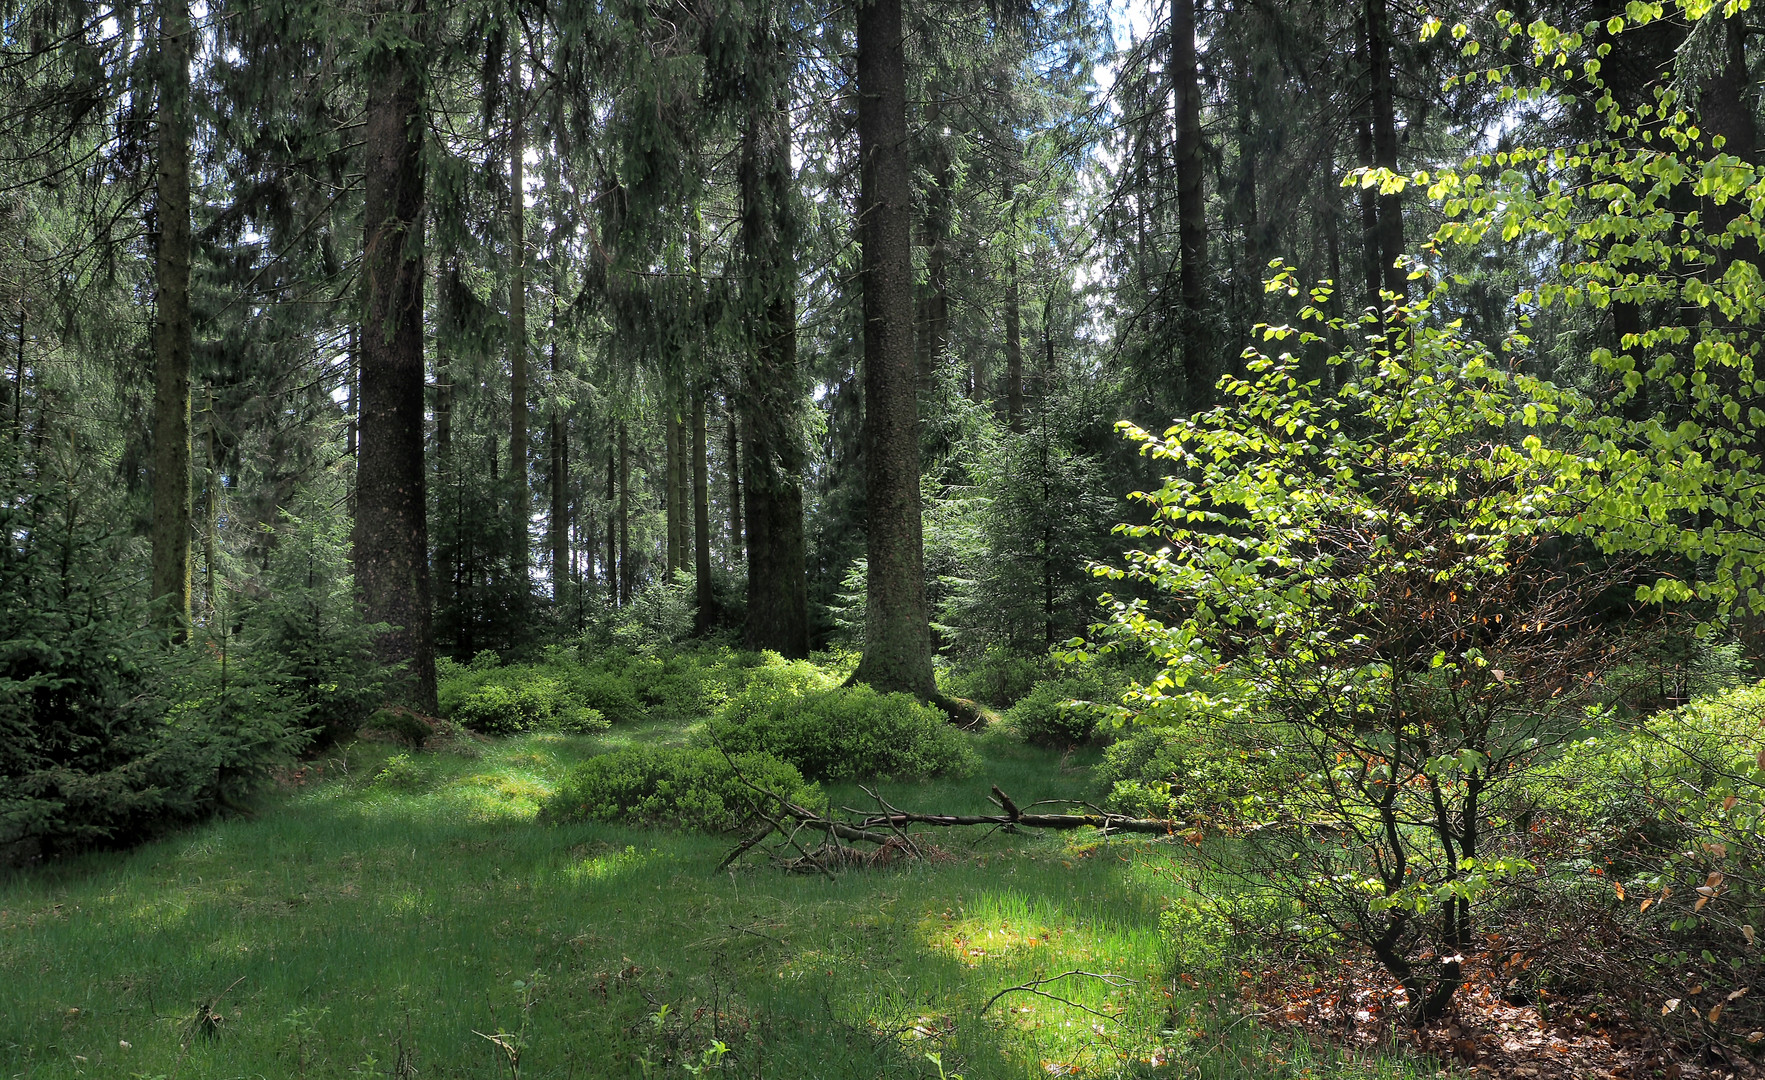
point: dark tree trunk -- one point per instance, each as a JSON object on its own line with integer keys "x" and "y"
{"x": 772, "y": 481}
{"x": 612, "y": 565}
{"x": 171, "y": 389}
{"x": 707, "y": 602}
{"x": 935, "y": 311}
{"x": 627, "y": 571}
{"x": 1013, "y": 349}
{"x": 671, "y": 483}
{"x": 391, "y": 531}
{"x": 1384, "y": 134}
{"x": 897, "y": 632}
{"x": 1191, "y": 167}
{"x": 519, "y": 492}
{"x": 737, "y": 536}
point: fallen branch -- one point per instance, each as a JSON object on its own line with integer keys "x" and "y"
{"x": 888, "y": 825}
{"x": 1034, "y": 986}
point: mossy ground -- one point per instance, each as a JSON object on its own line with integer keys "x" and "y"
{"x": 378, "y": 918}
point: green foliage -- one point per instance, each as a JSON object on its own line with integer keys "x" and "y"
{"x": 997, "y": 677}
{"x": 522, "y": 697}
{"x": 838, "y": 732}
{"x": 108, "y": 735}
{"x": 305, "y": 626}
{"x": 1656, "y": 827}
{"x": 1358, "y": 580}
{"x": 1190, "y": 771}
{"x": 694, "y": 788}
{"x": 1063, "y": 712}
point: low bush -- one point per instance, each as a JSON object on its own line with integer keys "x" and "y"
{"x": 1058, "y": 712}
{"x": 839, "y": 733}
{"x": 521, "y": 697}
{"x": 694, "y": 788}
{"x": 997, "y": 678}
{"x": 1181, "y": 772}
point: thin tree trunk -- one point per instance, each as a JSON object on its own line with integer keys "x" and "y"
{"x": 391, "y": 530}
{"x": 171, "y": 391}
{"x": 707, "y": 601}
{"x": 1384, "y": 113}
{"x": 1013, "y": 349}
{"x": 560, "y": 509}
{"x": 669, "y": 483}
{"x": 211, "y": 515}
{"x": 627, "y": 572}
{"x": 897, "y": 632}
{"x": 737, "y": 537}
{"x": 612, "y": 565}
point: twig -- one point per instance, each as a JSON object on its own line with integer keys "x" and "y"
{"x": 1034, "y": 986}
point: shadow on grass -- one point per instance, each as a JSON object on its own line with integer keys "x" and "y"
{"x": 376, "y": 916}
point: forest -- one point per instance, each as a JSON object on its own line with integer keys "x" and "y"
{"x": 921, "y": 538}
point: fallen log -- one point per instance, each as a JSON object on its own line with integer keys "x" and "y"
{"x": 786, "y": 818}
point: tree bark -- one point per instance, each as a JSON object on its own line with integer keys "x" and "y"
{"x": 1191, "y": 167}
{"x": 737, "y": 537}
{"x": 671, "y": 482}
{"x": 612, "y": 566}
{"x": 1384, "y": 138}
{"x": 897, "y": 632}
{"x": 778, "y": 592}
{"x": 519, "y": 491}
{"x": 391, "y": 528}
{"x": 707, "y": 601}
{"x": 627, "y": 572}
{"x": 171, "y": 390}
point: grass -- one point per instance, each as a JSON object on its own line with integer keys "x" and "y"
{"x": 404, "y": 913}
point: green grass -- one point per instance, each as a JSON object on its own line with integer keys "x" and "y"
{"x": 416, "y": 910}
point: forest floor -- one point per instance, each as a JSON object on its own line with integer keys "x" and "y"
{"x": 405, "y": 916}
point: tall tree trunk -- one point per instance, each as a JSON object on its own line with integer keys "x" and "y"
{"x": 670, "y": 482}
{"x": 737, "y": 536}
{"x": 559, "y": 518}
{"x": 171, "y": 390}
{"x": 707, "y": 601}
{"x": 612, "y": 524}
{"x": 627, "y": 572}
{"x": 211, "y": 514}
{"x": 391, "y": 529}
{"x": 1191, "y": 167}
{"x": 519, "y": 491}
{"x": 1013, "y": 348}
{"x": 897, "y": 631}
{"x": 935, "y": 308}
{"x": 778, "y": 596}
{"x": 1384, "y": 113}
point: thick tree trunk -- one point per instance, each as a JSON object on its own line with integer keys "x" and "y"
{"x": 897, "y": 632}
{"x": 171, "y": 390}
{"x": 519, "y": 491}
{"x": 1384, "y": 137}
{"x": 391, "y": 530}
{"x": 772, "y": 481}
{"x": 707, "y": 602}
{"x": 1191, "y": 167}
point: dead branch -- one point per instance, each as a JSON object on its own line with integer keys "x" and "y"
{"x": 1034, "y": 986}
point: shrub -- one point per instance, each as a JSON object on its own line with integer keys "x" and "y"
{"x": 839, "y": 733}
{"x": 521, "y": 697}
{"x": 1181, "y": 772}
{"x": 1045, "y": 718}
{"x": 681, "y": 787}
{"x": 998, "y": 678}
